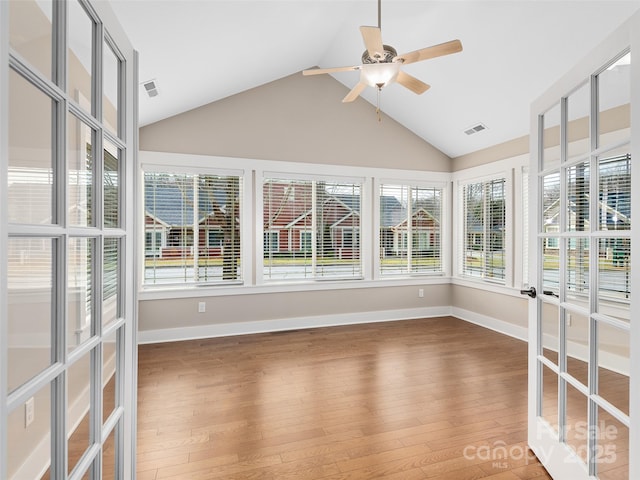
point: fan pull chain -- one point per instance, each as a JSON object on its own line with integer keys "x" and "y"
{"x": 378, "y": 105}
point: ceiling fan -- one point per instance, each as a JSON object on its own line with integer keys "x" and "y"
{"x": 381, "y": 63}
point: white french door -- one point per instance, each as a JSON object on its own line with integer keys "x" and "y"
{"x": 583, "y": 333}
{"x": 68, "y": 140}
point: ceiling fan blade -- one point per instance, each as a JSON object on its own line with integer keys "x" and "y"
{"x": 372, "y": 37}
{"x": 447, "y": 48}
{"x": 317, "y": 71}
{"x": 412, "y": 83}
{"x": 355, "y": 92}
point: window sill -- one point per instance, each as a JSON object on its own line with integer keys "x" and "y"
{"x": 485, "y": 285}
{"x": 165, "y": 293}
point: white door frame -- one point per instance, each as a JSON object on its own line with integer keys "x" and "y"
{"x": 556, "y": 457}
{"x": 124, "y": 414}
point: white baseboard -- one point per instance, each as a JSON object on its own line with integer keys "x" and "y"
{"x": 500, "y": 326}
{"x": 265, "y": 326}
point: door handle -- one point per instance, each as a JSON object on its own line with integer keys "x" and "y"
{"x": 531, "y": 292}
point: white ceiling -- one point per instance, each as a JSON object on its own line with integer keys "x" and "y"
{"x": 202, "y": 51}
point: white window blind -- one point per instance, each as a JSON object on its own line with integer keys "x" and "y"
{"x": 192, "y": 228}
{"x": 483, "y": 232}
{"x": 311, "y": 229}
{"x": 111, "y": 180}
{"x": 410, "y": 230}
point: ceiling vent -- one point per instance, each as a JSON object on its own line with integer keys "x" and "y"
{"x": 475, "y": 129}
{"x": 151, "y": 88}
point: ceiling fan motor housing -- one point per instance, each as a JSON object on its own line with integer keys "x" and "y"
{"x": 387, "y": 56}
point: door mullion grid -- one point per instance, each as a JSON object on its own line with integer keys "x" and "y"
{"x": 60, "y": 232}
{"x": 592, "y": 412}
{"x": 563, "y": 242}
{"x": 120, "y": 402}
{"x": 4, "y": 159}
{"x": 59, "y": 457}
{"x": 540, "y": 269}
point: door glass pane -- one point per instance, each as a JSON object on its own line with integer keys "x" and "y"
{"x": 29, "y": 448}
{"x": 109, "y": 374}
{"x": 80, "y": 55}
{"x": 576, "y": 426}
{"x": 80, "y": 291}
{"x": 551, "y": 138}
{"x": 550, "y": 331}
{"x": 30, "y": 307}
{"x": 111, "y": 85}
{"x": 577, "y": 346}
{"x": 109, "y": 456}
{"x": 614, "y": 365}
{"x": 614, "y": 205}
{"x": 551, "y": 203}
{"x": 551, "y": 266}
{"x": 81, "y": 172}
{"x": 612, "y": 453}
{"x": 577, "y": 203}
{"x": 614, "y": 94}
{"x": 78, "y": 409}
{"x": 578, "y": 122}
{"x": 550, "y": 397}
{"x": 111, "y": 281}
{"x": 31, "y": 153}
{"x": 577, "y": 271}
{"x": 30, "y": 32}
{"x": 111, "y": 185}
{"x": 614, "y": 277}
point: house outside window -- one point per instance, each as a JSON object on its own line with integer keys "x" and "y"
{"x": 311, "y": 223}
{"x": 192, "y": 228}
{"x": 484, "y": 229}
{"x": 410, "y": 229}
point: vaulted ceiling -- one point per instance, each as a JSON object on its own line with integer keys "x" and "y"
{"x": 201, "y": 51}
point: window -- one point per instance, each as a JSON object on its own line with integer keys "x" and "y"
{"x": 192, "y": 228}
{"x": 271, "y": 242}
{"x": 305, "y": 241}
{"x": 484, "y": 229}
{"x": 410, "y": 230}
{"x": 310, "y": 227}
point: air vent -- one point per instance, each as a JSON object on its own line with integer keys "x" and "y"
{"x": 151, "y": 88}
{"x": 475, "y": 129}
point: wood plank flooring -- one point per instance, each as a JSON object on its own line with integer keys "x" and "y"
{"x": 420, "y": 399}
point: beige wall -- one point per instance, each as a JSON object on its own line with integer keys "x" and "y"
{"x": 298, "y": 119}
{"x": 173, "y": 313}
{"x": 506, "y": 308}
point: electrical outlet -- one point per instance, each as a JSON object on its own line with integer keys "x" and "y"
{"x": 29, "y": 412}
{"x": 568, "y": 319}
{"x": 421, "y": 292}
{"x": 202, "y": 307}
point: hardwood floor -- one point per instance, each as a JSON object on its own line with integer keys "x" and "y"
{"x": 434, "y": 398}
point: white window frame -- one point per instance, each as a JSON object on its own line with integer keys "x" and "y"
{"x": 511, "y": 169}
{"x": 306, "y": 177}
{"x": 446, "y": 214}
{"x": 254, "y": 171}
{"x": 195, "y": 165}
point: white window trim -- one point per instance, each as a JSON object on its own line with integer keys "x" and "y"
{"x": 253, "y": 171}
{"x": 194, "y": 165}
{"x": 446, "y": 240}
{"x": 511, "y": 170}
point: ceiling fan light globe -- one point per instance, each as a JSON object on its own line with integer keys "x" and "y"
{"x": 379, "y": 74}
